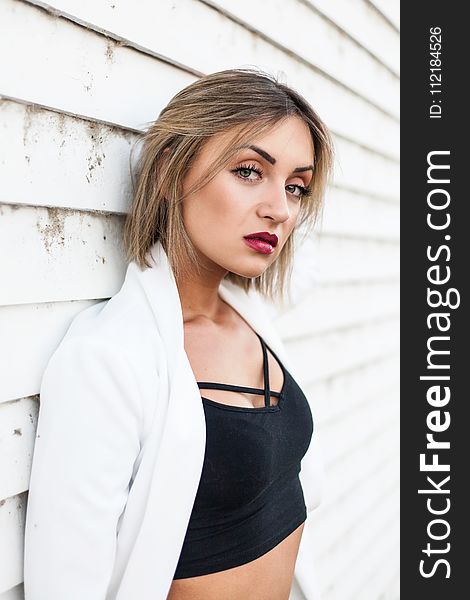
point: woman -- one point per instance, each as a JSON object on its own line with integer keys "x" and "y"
{"x": 143, "y": 486}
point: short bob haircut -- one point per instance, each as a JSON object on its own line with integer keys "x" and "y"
{"x": 245, "y": 102}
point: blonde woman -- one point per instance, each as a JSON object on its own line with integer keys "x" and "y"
{"x": 175, "y": 455}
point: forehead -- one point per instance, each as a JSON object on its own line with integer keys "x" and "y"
{"x": 289, "y": 141}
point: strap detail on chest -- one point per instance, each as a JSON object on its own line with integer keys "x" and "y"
{"x": 240, "y": 388}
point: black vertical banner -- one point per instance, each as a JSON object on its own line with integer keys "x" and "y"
{"x": 435, "y": 253}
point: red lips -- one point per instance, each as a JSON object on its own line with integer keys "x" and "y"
{"x": 271, "y": 238}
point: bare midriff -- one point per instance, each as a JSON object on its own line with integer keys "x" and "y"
{"x": 268, "y": 577}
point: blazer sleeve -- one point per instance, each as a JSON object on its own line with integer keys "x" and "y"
{"x": 87, "y": 441}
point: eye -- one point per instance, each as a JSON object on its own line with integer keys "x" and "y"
{"x": 303, "y": 191}
{"x": 243, "y": 169}
{"x": 244, "y": 172}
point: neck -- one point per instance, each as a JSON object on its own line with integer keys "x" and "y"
{"x": 199, "y": 293}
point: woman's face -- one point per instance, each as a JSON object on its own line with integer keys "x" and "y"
{"x": 259, "y": 191}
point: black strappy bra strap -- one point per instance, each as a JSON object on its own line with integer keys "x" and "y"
{"x": 266, "y": 391}
{"x": 209, "y": 385}
{"x": 266, "y": 372}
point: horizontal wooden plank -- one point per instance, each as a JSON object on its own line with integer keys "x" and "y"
{"x": 18, "y": 422}
{"x": 379, "y": 465}
{"x": 337, "y": 517}
{"x": 330, "y": 354}
{"x": 377, "y": 458}
{"x": 341, "y": 259}
{"x": 337, "y": 261}
{"x": 333, "y": 564}
{"x": 56, "y": 73}
{"x": 344, "y": 394}
{"x": 366, "y": 577}
{"x": 362, "y": 170}
{"x": 354, "y": 214}
{"x": 371, "y": 461}
{"x": 292, "y": 23}
{"x": 61, "y": 65}
{"x": 334, "y": 308}
{"x": 51, "y": 159}
{"x": 362, "y": 427}
{"x": 360, "y": 537}
{"x": 357, "y": 543}
{"x": 12, "y": 519}
{"x": 57, "y": 255}
{"x": 362, "y": 22}
{"x": 153, "y": 30}
{"x": 30, "y": 334}
{"x": 358, "y": 559}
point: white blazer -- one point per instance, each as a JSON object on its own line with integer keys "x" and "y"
{"x": 120, "y": 445}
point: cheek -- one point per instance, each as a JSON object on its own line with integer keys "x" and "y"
{"x": 211, "y": 210}
{"x": 219, "y": 202}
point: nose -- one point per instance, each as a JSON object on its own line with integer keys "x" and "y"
{"x": 275, "y": 205}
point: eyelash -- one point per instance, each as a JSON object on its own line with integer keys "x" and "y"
{"x": 304, "y": 191}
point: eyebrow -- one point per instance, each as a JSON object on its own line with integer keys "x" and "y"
{"x": 272, "y": 160}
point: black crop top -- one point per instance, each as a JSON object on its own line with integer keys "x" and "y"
{"x": 249, "y": 496}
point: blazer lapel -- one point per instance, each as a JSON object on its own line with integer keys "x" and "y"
{"x": 176, "y": 443}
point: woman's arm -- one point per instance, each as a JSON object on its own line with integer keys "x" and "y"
{"x": 86, "y": 444}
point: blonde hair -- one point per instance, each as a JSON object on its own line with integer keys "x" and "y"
{"x": 247, "y": 102}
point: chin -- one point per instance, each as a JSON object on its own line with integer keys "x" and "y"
{"x": 249, "y": 271}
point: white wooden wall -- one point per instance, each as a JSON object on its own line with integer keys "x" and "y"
{"x": 78, "y": 80}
